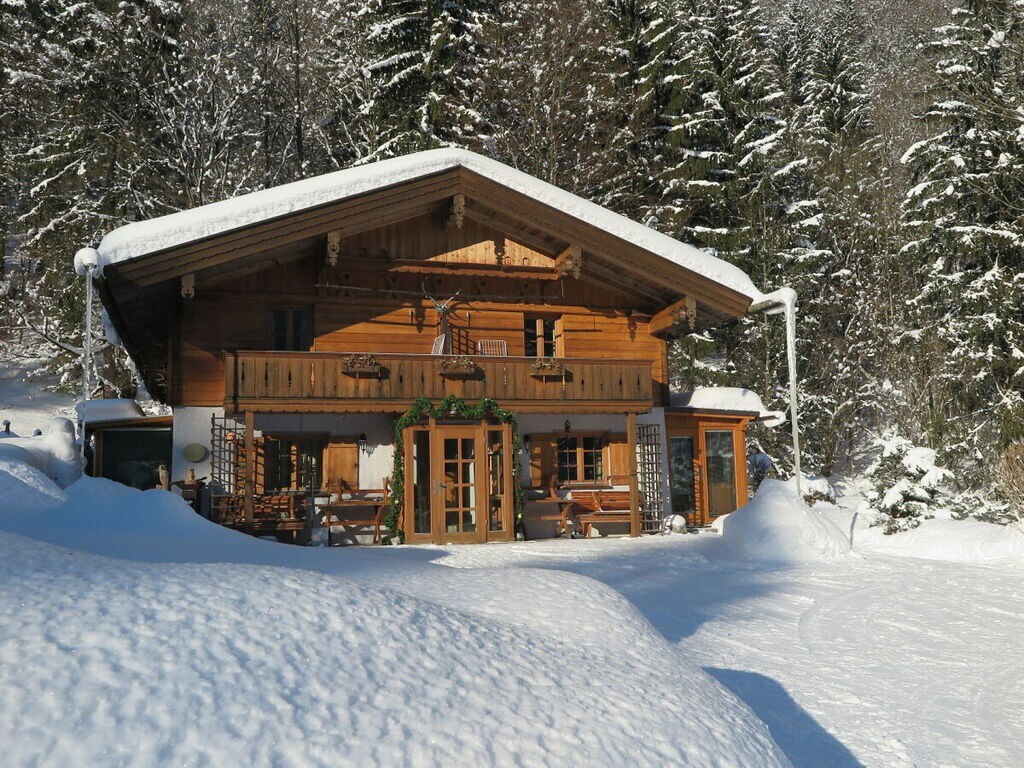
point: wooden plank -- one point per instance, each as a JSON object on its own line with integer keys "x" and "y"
{"x": 397, "y": 201}
{"x": 634, "y": 490}
{"x": 250, "y": 466}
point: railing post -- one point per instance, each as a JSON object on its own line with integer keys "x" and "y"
{"x": 634, "y": 490}
{"x": 250, "y": 466}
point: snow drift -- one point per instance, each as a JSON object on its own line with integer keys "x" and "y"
{"x": 960, "y": 541}
{"x": 200, "y": 645}
{"x": 778, "y": 527}
{"x": 23, "y": 486}
{"x": 54, "y": 452}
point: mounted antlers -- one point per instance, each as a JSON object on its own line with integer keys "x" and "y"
{"x": 443, "y": 308}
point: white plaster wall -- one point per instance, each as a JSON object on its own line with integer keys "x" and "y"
{"x": 191, "y": 425}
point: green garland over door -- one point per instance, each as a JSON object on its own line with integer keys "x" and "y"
{"x": 450, "y": 407}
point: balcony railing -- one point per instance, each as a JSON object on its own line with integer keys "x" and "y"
{"x": 339, "y": 382}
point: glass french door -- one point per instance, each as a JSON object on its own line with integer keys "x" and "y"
{"x": 458, "y": 488}
{"x": 721, "y": 461}
{"x": 683, "y": 488}
{"x": 458, "y": 484}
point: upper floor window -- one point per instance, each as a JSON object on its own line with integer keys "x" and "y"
{"x": 291, "y": 329}
{"x": 539, "y": 335}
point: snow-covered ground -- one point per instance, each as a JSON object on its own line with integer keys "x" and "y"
{"x": 133, "y": 632}
{"x": 24, "y": 403}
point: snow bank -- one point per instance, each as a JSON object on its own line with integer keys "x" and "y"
{"x": 961, "y": 541}
{"x": 54, "y": 452}
{"x": 726, "y": 399}
{"x": 217, "y": 648}
{"x": 23, "y": 486}
{"x": 777, "y": 527}
{"x": 144, "y": 237}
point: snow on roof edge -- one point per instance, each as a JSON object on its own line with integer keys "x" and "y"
{"x": 728, "y": 400}
{"x": 144, "y": 237}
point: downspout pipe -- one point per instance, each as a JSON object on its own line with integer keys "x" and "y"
{"x": 784, "y": 301}
{"x": 87, "y": 265}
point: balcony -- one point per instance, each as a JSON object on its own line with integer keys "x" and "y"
{"x": 338, "y": 382}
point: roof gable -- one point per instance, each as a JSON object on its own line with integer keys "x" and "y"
{"x": 143, "y": 241}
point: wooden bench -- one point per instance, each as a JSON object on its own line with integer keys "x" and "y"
{"x": 344, "y": 513}
{"x": 600, "y": 507}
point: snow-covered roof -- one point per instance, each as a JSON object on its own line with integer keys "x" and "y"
{"x": 144, "y": 237}
{"x": 109, "y": 409}
{"x": 730, "y": 399}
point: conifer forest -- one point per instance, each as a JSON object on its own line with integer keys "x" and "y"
{"x": 868, "y": 154}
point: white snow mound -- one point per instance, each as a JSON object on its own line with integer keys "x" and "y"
{"x": 24, "y": 486}
{"x": 732, "y": 399}
{"x": 778, "y": 527}
{"x": 957, "y": 541}
{"x": 268, "y": 654}
{"x": 54, "y": 452}
{"x": 108, "y": 409}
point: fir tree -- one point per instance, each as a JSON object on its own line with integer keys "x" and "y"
{"x": 964, "y": 218}
{"x": 422, "y": 70}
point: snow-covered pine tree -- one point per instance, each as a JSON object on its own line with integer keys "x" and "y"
{"x": 94, "y": 161}
{"x": 907, "y": 482}
{"x": 964, "y": 221}
{"x": 644, "y": 47}
{"x": 422, "y": 67}
{"x": 547, "y": 93}
{"x": 741, "y": 186}
{"x": 840, "y": 281}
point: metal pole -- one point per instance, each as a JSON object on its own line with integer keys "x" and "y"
{"x": 86, "y": 357}
{"x": 87, "y": 342}
{"x": 794, "y": 411}
{"x": 785, "y": 299}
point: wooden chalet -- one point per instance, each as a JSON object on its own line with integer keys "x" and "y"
{"x": 292, "y": 329}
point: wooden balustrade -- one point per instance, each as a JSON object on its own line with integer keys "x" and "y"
{"x": 335, "y": 382}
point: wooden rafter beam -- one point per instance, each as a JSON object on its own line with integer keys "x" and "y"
{"x": 514, "y": 229}
{"x": 675, "y": 315}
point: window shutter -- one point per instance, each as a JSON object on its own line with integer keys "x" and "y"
{"x": 542, "y": 460}
{"x": 341, "y": 465}
{"x": 618, "y": 460}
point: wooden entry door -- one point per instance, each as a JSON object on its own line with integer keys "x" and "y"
{"x": 458, "y": 484}
{"x": 457, "y": 463}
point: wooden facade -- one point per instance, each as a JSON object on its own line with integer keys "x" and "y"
{"x": 447, "y": 284}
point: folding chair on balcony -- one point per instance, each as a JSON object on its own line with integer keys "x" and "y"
{"x": 439, "y": 343}
{"x": 492, "y": 348}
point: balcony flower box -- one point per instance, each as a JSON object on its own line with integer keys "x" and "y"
{"x": 548, "y": 368}
{"x": 458, "y": 366}
{"x": 361, "y": 365}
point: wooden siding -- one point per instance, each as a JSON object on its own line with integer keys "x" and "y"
{"x": 365, "y": 304}
{"x": 423, "y": 239}
{"x": 312, "y": 381}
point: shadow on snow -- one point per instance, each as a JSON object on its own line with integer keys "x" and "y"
{"x": 805, "y": 742}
